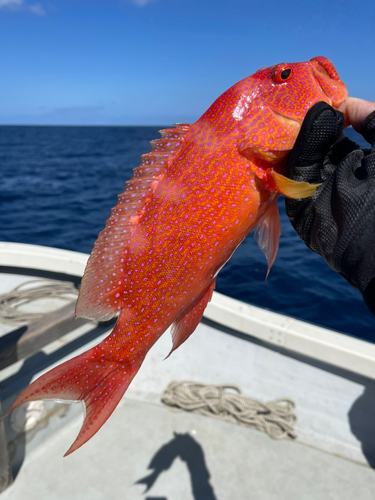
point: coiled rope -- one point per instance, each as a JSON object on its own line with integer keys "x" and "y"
{"x": 275, "y": 418}
{"x": 31, "y": 291}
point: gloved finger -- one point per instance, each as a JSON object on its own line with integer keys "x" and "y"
{"x": 320, "y": 129}
{"x": 368, "y": 129}
{"x": 340, "y": 150}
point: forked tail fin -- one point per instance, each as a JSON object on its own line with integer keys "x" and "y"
{"x": 92, "y": 377}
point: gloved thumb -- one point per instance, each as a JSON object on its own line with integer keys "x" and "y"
{"x": 320, "y": 129}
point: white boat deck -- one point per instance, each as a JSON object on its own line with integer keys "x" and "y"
{"x": 187, "y": 456}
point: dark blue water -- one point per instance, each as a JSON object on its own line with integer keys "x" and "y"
{"x": 58, "y": 184}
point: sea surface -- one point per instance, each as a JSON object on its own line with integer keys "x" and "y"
{"x": 58, "y": 184}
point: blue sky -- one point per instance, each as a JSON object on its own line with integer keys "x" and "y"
{"x": 146, "y": 62}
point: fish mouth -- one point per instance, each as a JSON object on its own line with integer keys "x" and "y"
{"x": 325, "y": 67}
{"x": 329, "y": 81}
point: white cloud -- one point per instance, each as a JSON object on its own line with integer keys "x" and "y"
{"x": 20, "y": 5}
{"x": 37, "y": 9}
{"x": 10, "y": 4}
{"x": 142, "y": 3}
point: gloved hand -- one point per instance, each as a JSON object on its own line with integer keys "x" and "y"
{"x": 338, "y": 222}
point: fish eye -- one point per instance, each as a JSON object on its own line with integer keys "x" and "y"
{"x": 282, "y": 73}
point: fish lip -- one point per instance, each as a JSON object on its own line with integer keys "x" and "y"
{"x": 326, "y": 69}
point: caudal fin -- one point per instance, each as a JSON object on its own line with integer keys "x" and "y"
{"x": 97, "y": 380}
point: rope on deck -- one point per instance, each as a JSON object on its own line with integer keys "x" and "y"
{"x": 31, "y": 291}
{"x": 276, "y": 418}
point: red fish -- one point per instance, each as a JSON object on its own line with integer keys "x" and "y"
{"x": 190, "y": 203}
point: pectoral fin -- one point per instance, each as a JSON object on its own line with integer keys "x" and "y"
{"x": 292, "y": 189}
{"x": 267, "y": 234}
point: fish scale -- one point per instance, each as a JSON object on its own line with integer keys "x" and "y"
{"x": 190, "y": 203}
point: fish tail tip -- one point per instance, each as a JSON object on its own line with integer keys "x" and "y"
{"x": 28, "y": 395}
{"x": 100, "y": 402}
{"x": 100, "y": 393}
{"x": 74, "y": 447}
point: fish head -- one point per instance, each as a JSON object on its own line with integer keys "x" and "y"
{"x": 281, "y": 97}
{"x": 294, "y": 87}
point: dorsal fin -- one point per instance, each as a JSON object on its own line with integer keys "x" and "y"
{"x": 100, "y": 293}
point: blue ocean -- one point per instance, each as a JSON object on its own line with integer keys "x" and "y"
{"x": 58, "y": 184}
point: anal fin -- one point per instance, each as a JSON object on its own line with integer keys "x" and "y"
{"x": 189, "y": 319}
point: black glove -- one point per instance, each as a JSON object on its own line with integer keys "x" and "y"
{"x": 338, "y": 222}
